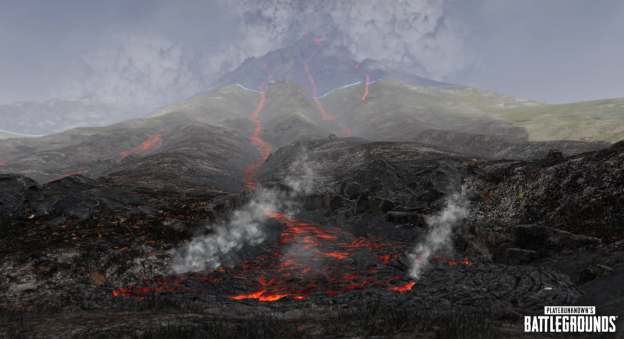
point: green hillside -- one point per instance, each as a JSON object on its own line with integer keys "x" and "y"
{"x": 439, "y": 107}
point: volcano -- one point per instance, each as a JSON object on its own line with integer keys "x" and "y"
{"x": 268, "y": 209}
{"x": 332, "y": 67}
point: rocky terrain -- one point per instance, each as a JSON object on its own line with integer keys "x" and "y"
{"x": 273, "y": 213}
{"x": 536, "y": 233}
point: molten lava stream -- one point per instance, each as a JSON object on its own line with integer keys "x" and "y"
{"x": 4, "y": 161}
{"x": 367, "y": 83}
{"x": 310, "y": 260}
{"x": 358, "y": 64}
{"x": 346, "y": 132}
{"x": 251, "y": 171}
{"x": 147, "y": 146}
{"x": 66, "y": 175}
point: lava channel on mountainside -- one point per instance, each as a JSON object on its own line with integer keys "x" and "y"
{"x": 68, "y": 174}
{"x": 346, "y": 132}
{"x": 151, "y": 144}
{"x": 147, "y": 146}
{"x": 366, "y": 90}
{"x": 311, "y": 260}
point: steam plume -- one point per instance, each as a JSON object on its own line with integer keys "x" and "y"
{"x": 439, "y": 235}
{"x": 245, "y": 226}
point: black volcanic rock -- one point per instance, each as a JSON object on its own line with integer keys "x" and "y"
{"x": 76, "y": 182}
{"x": 18, "y": 189}
{"x": 594, "y": 271}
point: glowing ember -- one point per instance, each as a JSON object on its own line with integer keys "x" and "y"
{"x": 4, "y": 161}
{"x": 251, "y": 171}
{"x": 404, "y": 287}
{"x": 358, "y": 64}
{"x": 346, "y": 132}
{"x": 66, "y": 175}
{"x": 367, "y": 83}
{"x": 147, "y": 146}
{"x": 265, "y": 64}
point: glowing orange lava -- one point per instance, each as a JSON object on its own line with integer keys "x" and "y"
{"x": 367, "y": 83}
{"x": 251, "y": 171}
{"x": 346, "y": 132}
{"x": 358, "y": 64}
{"x": 265, "y": 64}
{"x": 310, "y": 259}
{"x": 147, "y": 146}
{"x": 4, "y": 161}
{"x": 404, "y": 287}
{"x": 66, "y": 175}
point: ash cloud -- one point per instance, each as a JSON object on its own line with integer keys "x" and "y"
{"x": 410, "y": 35}
{"x": 175, "y": 52}
{"x": 439, "y": 236}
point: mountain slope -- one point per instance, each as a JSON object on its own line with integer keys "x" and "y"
{"x": 57, "y": 115}
{"x": 394, "y": 111}
{"x": 330, "y": 67}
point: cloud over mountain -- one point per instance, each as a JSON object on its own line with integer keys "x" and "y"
{"x": 133, "y": 67}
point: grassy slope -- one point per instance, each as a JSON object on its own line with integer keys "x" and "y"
{"x": 590, "y": 120}
{"x": 5, "y": 135}
{"x": 227, "y": 102}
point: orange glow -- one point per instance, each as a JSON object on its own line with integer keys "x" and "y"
{"x": 346, "y": 132}
{"x": 4, "y": 161}
{"x": 308, "y": 259}
{"x": 66, "y": 175}
{"x": 404, "y": 287}
{"x": 248, "y": 296}
{"x": 367, "y": 83}
{"x": 147, "y": 146}
{"x": 251, "y": 171}
{"x": 265, "y": 64}
{"x": 358, "y": 64}
{"x": 271, "y": 297}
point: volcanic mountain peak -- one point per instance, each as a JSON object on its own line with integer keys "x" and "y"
{"x": 330, "y": 66}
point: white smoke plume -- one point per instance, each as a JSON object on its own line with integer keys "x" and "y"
{"x": 304, "y": 182}
{"x": 207, "y": 251}
{"x": 245, "y": 226}
{"x": 439, "y": 235}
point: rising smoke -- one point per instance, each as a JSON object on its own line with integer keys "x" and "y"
{"x": 245, "y": 226}
{"x": 156, "y": 64}
{"x": 439, "y": 236}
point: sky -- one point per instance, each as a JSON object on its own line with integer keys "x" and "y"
{"x": 154, "y": 52}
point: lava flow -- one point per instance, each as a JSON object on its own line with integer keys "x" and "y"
{"x": 367, "y": 83}
{"x": 358, "y": 64}
{"x": 311, "y": 260}
{"x": 66, "y": 175}
{"x": 147, "y": 146}
{"x": 346, "y": 132}
{"x": 4, "y": 161}
{"x": 251, "y": 171}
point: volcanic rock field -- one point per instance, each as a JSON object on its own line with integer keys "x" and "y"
{"x": 271, "y": 213}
